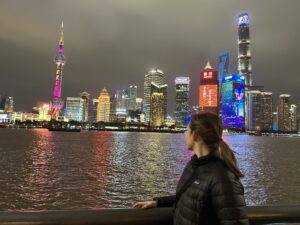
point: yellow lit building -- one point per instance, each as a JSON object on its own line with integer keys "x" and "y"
{"x": 157, "y": 109}
{"x": 43, "y": 109}
{"x": 103, "y": 108}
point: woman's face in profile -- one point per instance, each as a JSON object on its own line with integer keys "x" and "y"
{"x": 189, "y": 138}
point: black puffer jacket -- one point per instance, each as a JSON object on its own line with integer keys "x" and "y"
{"x": 216, "y": 196}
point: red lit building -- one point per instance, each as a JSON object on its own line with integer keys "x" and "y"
{"x": 208, "y": 90}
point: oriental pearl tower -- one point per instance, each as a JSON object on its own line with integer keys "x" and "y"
{"x": 60, "y": 60}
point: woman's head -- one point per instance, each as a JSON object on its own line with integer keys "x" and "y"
{"x": 207, "y": 127}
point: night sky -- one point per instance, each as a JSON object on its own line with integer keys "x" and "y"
{"x": 113, "y": 43}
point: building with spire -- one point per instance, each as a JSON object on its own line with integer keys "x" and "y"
{"x": 208, "y": 90}
{"x": 60, "y": 60}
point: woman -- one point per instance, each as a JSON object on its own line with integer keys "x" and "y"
{"x": 209, "y": 190}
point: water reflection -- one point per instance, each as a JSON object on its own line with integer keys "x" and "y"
{"x": 60, "y": 170}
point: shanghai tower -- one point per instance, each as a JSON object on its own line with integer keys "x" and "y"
{"x": 60, "y": 60}
{"x": 244, "y": 54}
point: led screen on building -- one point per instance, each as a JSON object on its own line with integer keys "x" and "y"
{"x": 208, "y": 96}
{"x": 233, "y": 102}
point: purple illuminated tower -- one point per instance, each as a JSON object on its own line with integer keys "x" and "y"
{"x": 60, "y": 60}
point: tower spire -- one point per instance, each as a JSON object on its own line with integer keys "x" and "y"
{"x": 208, "y": 66}
{"x": 62, "y": 32}
{"x": 60, "y": 60}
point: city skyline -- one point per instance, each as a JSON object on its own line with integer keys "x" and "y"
{"x": 184, "y": 55}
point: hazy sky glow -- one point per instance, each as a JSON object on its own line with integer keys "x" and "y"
{"x": 113, "y": 43}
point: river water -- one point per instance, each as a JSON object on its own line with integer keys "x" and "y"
{"x": 92, "y": 170}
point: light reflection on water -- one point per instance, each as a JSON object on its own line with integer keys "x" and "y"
{"x": 60, "y": 170}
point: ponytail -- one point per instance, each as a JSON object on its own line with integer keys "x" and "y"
{"x": 209, "y": 127}
{"x": 228, "y": 157}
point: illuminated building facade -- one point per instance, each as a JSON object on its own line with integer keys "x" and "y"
{"x": 244, "y": 54}
{"x": 233, "y": 101}
{"x": 139, "y": 104}
{"x": 60, "y": 60}
{"x": 156, "y": 76}
{"x": 75, "y": 108}
{"x": 254, "y": 110}
{"x": 284, "y": 112}
{"x": 94, "y": 109}
{"x": 208, "y": 90}
{"x": 6, "y": 104}
{"x": 157, "y": 112}
{"x": 158, "y": 104}
{"x": 103, "y": 110}
{"x": 275, "y": 121}
{"x": 182, "y": 96}
{"x": 5, "y": 117}
{"x": 266, "y": 111}
{"x": 244, "y": 59}
{"x": 132, "y": 97}
{"x": 44, "y": 111}
{"x": 224, "y": 70}
{"x": 293, "y": 118}
{"x": 121, "y": 104}
{"x": 86, "y": 99}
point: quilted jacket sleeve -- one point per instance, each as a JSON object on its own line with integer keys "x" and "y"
{"x": 166, "y": 201}
{"x": 228, "y": 202}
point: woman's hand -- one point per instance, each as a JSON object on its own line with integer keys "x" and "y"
{"x": 145, "y": 205}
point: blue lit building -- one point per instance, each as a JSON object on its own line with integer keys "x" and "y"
{"x": 224, "y": 70}
{"x": 233, "y": 101}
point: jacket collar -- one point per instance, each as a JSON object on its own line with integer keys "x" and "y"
{"x": 196, "y": 162}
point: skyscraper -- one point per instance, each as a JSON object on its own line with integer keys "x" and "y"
{"x": 233, "y": 101}
{"x": 244, "y": 54}
{"x": 60, "y": 60}
{"x": 121, "y": 103}
{"x": 158, "y": 104}
{"x": 275, "y": 121}
{"x": 86, "y": 99}
{"x": 95, "y": 103}
{"x": 6, "y": 103}
{"x": 103, "y": 109}
{"x": 139, "y": 104}
{"x": 182, "y": 95}
{"x": 156, "y": 76}
{"x": 267, "y": 110}
{"x": 224, "y": 70}
{"x": 284, "y": 113}
{"x": 75, "y": 108}
{"x": 208, "y": 90}
{"x": 293, "y": 118}
{"x": 254, "y": 110}
{"x": 157, "y": 112}
{"x": 132, "y": 97}
{"x": 3, "y": 102}
{"x": 9, "y": 105}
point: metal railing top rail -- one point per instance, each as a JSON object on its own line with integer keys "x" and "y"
{"x": 157, "y": 216}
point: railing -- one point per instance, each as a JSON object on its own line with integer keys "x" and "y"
{"x": 156, "y": 216}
